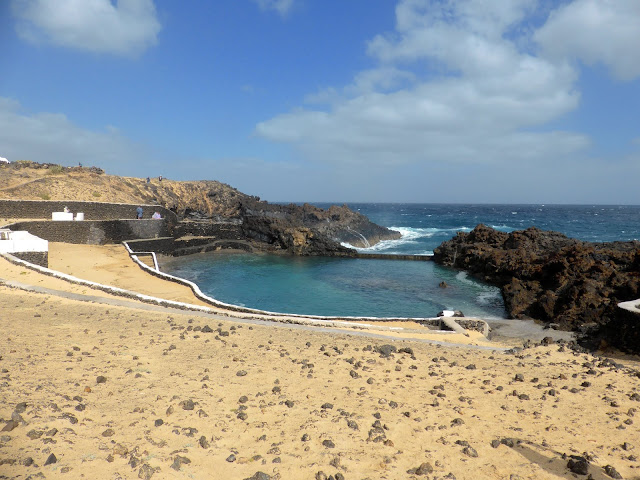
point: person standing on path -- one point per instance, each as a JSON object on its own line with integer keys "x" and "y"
{"x": 139, "y": 213}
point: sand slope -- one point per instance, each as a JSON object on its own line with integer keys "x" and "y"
{"x": 256, "y": 391}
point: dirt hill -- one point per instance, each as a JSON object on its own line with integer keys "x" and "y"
{"x": 37, "y": 181}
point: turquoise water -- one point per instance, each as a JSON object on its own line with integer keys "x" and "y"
{"x": 390, "y": 288}
{"x": 337, "y": 286}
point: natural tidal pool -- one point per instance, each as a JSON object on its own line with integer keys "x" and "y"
{"x": 336, "y": 286}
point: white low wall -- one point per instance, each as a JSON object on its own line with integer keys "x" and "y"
{"x": 21, "y": 241}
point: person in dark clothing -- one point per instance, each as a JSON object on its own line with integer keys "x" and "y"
{"x": 139, "y": 213}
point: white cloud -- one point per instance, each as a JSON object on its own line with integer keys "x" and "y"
{"x": 450, "y": 85}
{"x": 53, "y": 138}
{"x": 128, "y": 27}
{"x": 281, "y": 6}
{"x": 606, "y": 31}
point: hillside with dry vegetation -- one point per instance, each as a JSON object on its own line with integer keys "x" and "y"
{"x": 203, "y": 200}
{"x": 36, "y": 181}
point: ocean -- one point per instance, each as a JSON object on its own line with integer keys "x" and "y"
{"x": 392, "y": 288}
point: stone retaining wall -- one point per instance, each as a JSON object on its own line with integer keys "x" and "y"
{"x": 164, "y": 245}
{"x": 94, "y": 232}
{"x": 221, "y": 231}
{"x": 37, "y": 258}
{"x": 91, "y": 210}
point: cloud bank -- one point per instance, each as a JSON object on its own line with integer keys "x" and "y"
{"x": 126, "y": 28}
{"x": 281, "y": 6}
{"x": 53, "y": 138}
{"x": 466, "y": 82}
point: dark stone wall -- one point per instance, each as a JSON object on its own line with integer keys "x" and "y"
{"x": 91, "y": 210}
{"x": 221, "y": 231}
{"x": 94, "y": 232}
{"x": 159, "y": 245}
{"x": 39, "y": 258}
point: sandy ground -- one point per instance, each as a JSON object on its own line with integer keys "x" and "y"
{"x": 119, "y": 392}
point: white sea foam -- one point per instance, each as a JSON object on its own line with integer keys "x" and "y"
{"x": 504, "y": 228}
{"x": 489, "y": 297}
{"x": 464, "y": 278}
{"x": 409, "y": 236}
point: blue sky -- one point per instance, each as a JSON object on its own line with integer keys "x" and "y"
{"x": 525, "y": 101}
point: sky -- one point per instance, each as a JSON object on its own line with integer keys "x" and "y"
{"x": 435, "y": 101}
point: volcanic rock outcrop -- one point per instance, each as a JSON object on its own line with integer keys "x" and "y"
{"x": 547, "y": 276}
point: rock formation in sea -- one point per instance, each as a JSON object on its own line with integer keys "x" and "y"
{"x": 567, "y": 283}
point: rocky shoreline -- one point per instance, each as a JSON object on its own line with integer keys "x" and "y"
{"x": 566, "y": 283}
{"x": 202, "y": 205}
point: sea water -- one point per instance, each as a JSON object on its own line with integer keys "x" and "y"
{"x": 393, "y": 288}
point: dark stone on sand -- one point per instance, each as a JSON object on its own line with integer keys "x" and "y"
{"x": 146, "y": 471}
{"x": 519, "y": 377}
{"x": 207, "y": 329}
{"x": 289, "y": 403}
{"x": 579, "y": 465}
{"x": 243, "y": 399}
{"x": 424, "y": 469}
{"x": 495, "y": 443}
{"x": 470, "y": 452}
{"x": 259, "y": 476}
{"x": 231, "y": 458}
{"x": 134, "y": 461}
{"x": 327, "y": 405}
{"x": 101, "y": 379}
{"x": 21, "y": 407}
{"x": 203, "y": 442}
{"x": 612, "y": 472}
{"x": 241, "y": 373}
{"x": 352, "y": 424}
{"x": 305, "y": 437}
{"x": 10, "y": 426}
{"x": 120, "y": 449}
{"x": 158, "y": 422}
{"x": 27, "y": 462}
{"x": 34, "y": 434}
{"x": 242, "y": 416}
{"x": 407, "y": 350}
{"x": 385, "y": 350}
{"x": 470, "y": 367}
{"x": 187, "y": 404}
{"x": 509, "y": 442}
{"x": 50, "y": 459}
{"x": 328, "y": 444}
{"x": 179, "y": 461}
